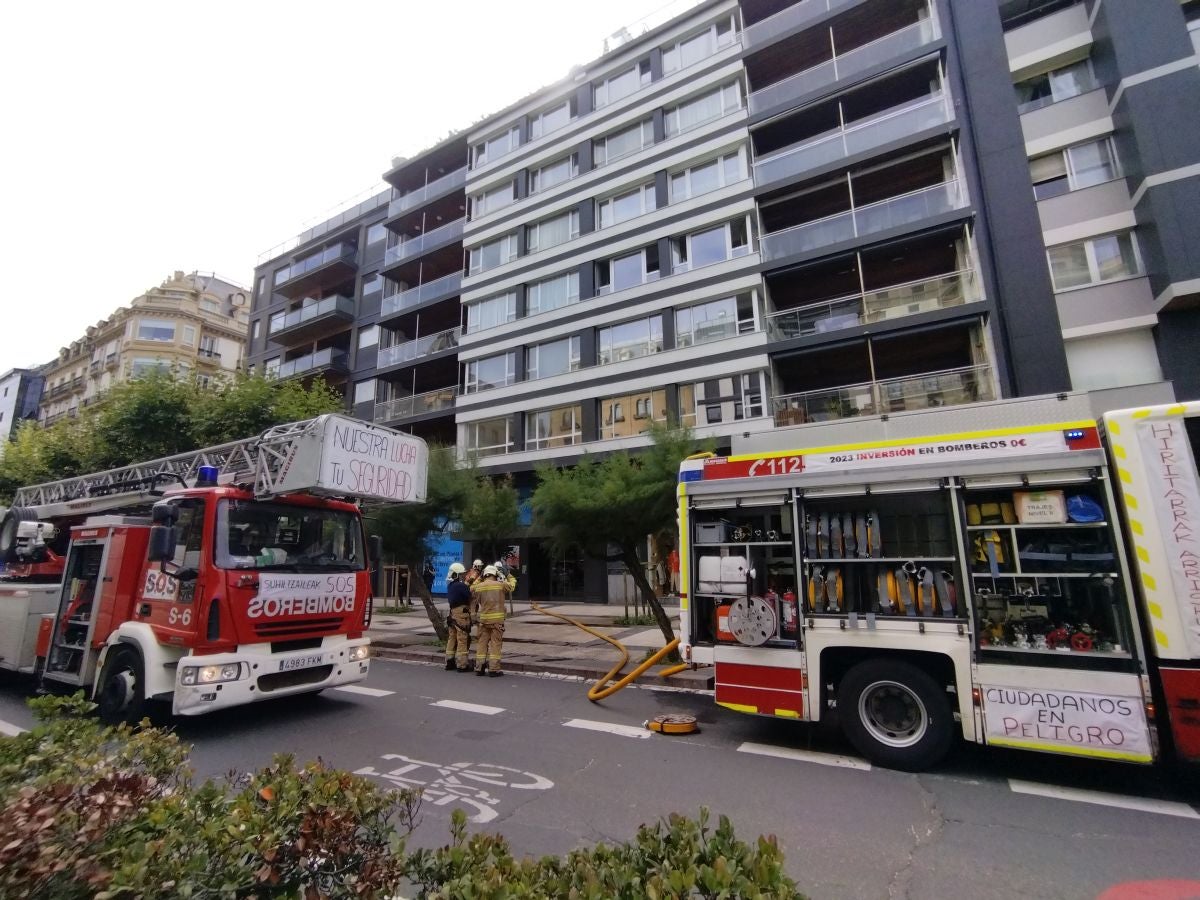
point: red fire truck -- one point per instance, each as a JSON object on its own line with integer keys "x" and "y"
{"x": 210, "y": 579}
{"x": 972, "y": 572}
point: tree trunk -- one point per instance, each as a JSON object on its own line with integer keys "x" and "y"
{"x": 634, "y": 565}
{"x": 436, "y": 619}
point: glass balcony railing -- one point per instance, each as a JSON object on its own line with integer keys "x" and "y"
{"x": 447, "y": 286}
{"x": 891, "y": 302}
{"x": 845, "y": 65}
{"x": 432, "y": 190}
{"x": 340, "y": 251}
{"x": 790, "y": 18}
{"x": 419, "y": 404}
{"x": 328, "y": 306}
{"x": 861, "y": 221}
{"x": 329, "y": 358}
{"x": 953, "y": 387}
{"x": 415, "y": 349}
{"x": 423, "y": 242}
{"x": 835, "y": 145}
{"x": 714, "y": 330}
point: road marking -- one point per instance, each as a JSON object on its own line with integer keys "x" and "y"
{"x": 8, "y": 729}
{"x": 469, "y": 707}
{"x": 1102, "y": 798}
{"x": 623, "y": 730}
{"x": 821, "y": 759}
{"x": 365, "y": 691}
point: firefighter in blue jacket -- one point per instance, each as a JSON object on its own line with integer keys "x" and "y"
{"x": 458, "y": 642}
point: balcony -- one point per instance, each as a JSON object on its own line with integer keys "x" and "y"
{"x": 846, "y": 65}
{"x": 896, "y": 124}
{"x": 110, "y": 361}
{"x": 863, "y": 221}
{"x": 423, "y": 243}
{"x": 208, "y": 354}
{"x": 788, "y": 21}
{"x": 953, "y": 387}
{"x": 446, "y": 286}
{"x": 314, "y": 320}
{"x": 418, "y": 405}
{"x": 96, "y": 366}
{"x": 328, "y": 360}
{"x": 336, "y": 261}
{"x": 409, "y": 351}
{"x": 893, "y": 302}
{"x": 431, "y": 191}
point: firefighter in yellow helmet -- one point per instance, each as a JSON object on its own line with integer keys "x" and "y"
{"x": 458, "y": 642}
{"x": 488, "y": 597}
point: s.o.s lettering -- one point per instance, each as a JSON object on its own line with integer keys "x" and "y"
{"x": 159, "y": 586}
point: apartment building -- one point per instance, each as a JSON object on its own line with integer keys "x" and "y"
{"x": 195, "y": 322}
{"x": 20, "y": 393}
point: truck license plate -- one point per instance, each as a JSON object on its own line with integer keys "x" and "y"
{"x": 300, "y": 662}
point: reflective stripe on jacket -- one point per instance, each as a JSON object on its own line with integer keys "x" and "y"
{"x": 488, "y": 598}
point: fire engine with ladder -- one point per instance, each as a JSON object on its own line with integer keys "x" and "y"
{"x": 209, "y": 579}
{"x": 1015, "y": 573}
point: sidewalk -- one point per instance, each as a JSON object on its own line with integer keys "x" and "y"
{"x": 535, "y": 642}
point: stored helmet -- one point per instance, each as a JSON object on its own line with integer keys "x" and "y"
{"x": 478, "y": 564}
{"x": 490, "y": 570}
{"x": 457, "y": 569}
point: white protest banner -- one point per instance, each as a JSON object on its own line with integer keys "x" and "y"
{"x": 1109, "y": 726}
{"x": 303, "y": 595}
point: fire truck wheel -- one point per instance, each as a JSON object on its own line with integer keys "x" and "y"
{"x": 895, "y": 714}
{"x": 8, "y": 531}
{"x": 120, "y": 693}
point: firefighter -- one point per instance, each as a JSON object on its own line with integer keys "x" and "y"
{"x": 458, "y": 642}
{"x": 488, "y": 596}
{"x": 476, "y": 572}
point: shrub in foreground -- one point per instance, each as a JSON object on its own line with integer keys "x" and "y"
{"x": 89, "y": 811}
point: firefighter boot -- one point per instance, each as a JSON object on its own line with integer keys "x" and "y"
{"x": 450, "y": 663}
{"x": 482, "y": 670}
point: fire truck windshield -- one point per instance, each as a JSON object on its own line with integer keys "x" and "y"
{"x": 282, "y": 537}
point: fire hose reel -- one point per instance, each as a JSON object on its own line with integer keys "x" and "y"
{"x": 753, "y": 621}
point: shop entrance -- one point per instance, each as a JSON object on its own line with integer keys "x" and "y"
{"x": 555, "y": 576}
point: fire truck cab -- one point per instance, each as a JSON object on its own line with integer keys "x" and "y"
{"x": 929, "y": 575}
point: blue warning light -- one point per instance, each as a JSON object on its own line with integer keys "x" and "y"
{"x": 1074, "y": 434}
{"x": 206, "y": 476}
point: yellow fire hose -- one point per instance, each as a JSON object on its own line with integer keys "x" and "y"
{"x": 598, "y": 691}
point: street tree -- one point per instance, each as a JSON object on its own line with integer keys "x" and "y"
{"x": 408, "y": 530}
{"x": 491, "y": 512}
{"x": 607, "y": 507}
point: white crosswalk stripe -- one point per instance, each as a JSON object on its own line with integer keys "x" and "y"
{"x": 1103, "y": 798}
{"x": 609, "y": 727}
{"x": 469, "y": 707}
{"x": 364, "y": 691}
{"x": 821, "y": 759}
{"x": 9, "y": 729}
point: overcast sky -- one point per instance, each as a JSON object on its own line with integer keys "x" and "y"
{"x": 144, "y": 137}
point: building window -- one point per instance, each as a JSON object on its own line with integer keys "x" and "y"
{"x": 625, "y": 206}
{"x": 1051, "y": 87}
{"x": 496, "y": 146}
{"x": 490, "y": 437}
{"x": 631, "y": 414}
{"x": 728, "y": 399}
{"x": 371, "y": 283}
{"x": 622, "y": 143}
{"x": 1094, "y": 261}
{"x": 551, "y": 232}
{"x": 710, "y": 246}
{"x": 255, "y": 330}
{"x": 376, "y": 233}
{"x": 142, "y": 366}
{"x": 364, "y": 392}
{"x": 208, "y": 347}
{"x": 624, "y": 83}
{"x": 629, "y": 340}
{"x": 552, "y": 358}
{"x": 368, "y": 337}
{"x": 260, "y": 288}
{"x": 189, "y": 336}
{"x": 708, "y": 176}
{"x": 627, "y": 271}
{"x": 552, "y": 293}
{"x": 1074, "y": 168}
{"x": 492, "y": 312}
{"x": 493, "y": 254}
{"x": 554, "y": 173}
{"x": 699, "y": 47}
{"x": 714, "y": 320}
{"x": 552, "y": 119}
{"x": 211, "y": 306}
{"x": 561, "y": 427}
{"x": 490, "y": 201}
{"x": 490, "y": 372}
{"x": 705, "y": 108}
{"x": 271, "y": 367}
{"x": 156, "y": 330}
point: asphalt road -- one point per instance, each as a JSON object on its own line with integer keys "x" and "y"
{"x": 532, "y": 758}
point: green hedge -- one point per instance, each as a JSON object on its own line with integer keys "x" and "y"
{"x": 88, "y": 811}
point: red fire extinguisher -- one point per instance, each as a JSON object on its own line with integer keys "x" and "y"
{"x": 789, "y": 613}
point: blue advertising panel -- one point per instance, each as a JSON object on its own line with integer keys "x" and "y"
{"x": 446, "y": 550}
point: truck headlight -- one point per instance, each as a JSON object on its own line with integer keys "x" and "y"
{"x": 210, "y": 674}
{"x": 363, "y": 651}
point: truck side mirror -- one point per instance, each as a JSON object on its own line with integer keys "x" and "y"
{"x": 162, "y": 543}
{"x": 375, "y": 549}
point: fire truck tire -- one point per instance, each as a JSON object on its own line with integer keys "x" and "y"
{"x": 8, "y": 530}
{"x": 895, "y": 714}
{"x": 121, "y": 689}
